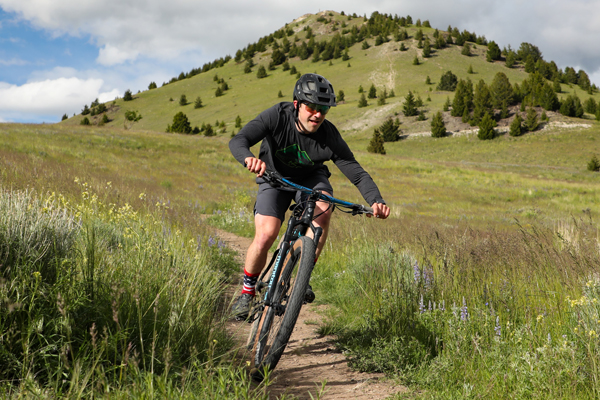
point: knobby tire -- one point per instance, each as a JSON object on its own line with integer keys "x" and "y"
{"x": 275, "y": 331}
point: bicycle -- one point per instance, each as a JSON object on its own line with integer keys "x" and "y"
{"x": 282, "y": 295}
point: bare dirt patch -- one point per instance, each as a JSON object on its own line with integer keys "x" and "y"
{"x": 309, "y": 359}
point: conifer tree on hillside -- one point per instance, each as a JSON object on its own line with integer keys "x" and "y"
{"x": 501, "y": 91}
{"x": 390, "y": 130}
{"x": 181, "y": 124}
{"x": 362, "y": 102}
{"x": 183, "y": 100}
{"x": 531, "y": 120}
{"x": 493, "y": 52}
{"x": 438, "y": 127}
{"x": 515, "y": 126}
{"x": 448, "y": 82}
{"x": 410, "y": 107}
{"x": 486, "y": 128}
{"x": 198, "y": 102}
{"x": 127, "y": 96}
{"x": 463, "y": 98}
{"x": 482, "y": 102}
{"x": 376, "y": 144}
{"x": 262, "y": 72}
{"x": 372, "y": 92}
{"x": 466, "y": 50}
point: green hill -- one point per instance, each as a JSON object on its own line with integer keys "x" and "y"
{"x": 383, "y": 64}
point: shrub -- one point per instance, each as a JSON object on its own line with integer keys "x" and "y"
{"x": 486, "y": 128}
{"x": 341, "y": 96}
{"x": 85, "y": 121}
{"x": 376, "y": 144}
{"x": 132, "y": 116}
{"x": 594, "y": 164}
{"x": 181, "y": 124}
{"x": 515, "y": 126}
{"x": 372, "y": 92}
{"x": 531, "y": 120}
{"x": 438, "y": 127}
{"x": 363, "y": 101}
{"x": 448, "y": 82}
{"x": 208, "y": 130}
{"x": 183, "y": 100}
{"x": 262, "y": 72}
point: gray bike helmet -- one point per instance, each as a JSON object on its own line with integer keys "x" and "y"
{"x": 313, "y": 88}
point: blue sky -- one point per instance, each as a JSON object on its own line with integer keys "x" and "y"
{"x": 57, "y": 55}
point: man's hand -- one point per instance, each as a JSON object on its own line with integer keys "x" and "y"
{"x": 255, "y": 165}
{"x": 380, "y": 211}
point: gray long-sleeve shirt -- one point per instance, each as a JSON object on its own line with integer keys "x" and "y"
{"x": 294, "y": 154}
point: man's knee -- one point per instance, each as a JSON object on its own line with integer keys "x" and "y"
{"x": 267, "y": 229}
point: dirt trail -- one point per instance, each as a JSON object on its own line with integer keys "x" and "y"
{"x": 310, "y": 359}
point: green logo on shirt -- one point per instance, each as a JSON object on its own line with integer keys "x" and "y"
{"x": 294, "y": 157}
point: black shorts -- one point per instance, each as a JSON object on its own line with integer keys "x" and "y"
{"x": 274, "y": 203}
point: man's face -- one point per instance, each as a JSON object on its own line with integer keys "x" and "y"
{"x": 310, "y": 117}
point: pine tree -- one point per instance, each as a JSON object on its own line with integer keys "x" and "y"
{"x": 594, "y": 164}
{"x": 262, "y": 72}
{"x": 389, "y": 130}
{"x": 85, "y": 121}
{"x": 438, "y": 127}
{"x": 127, "y": 96}
{"x": 64, "y": 117}
{"x": 181, "y": 124}
{"x": 531, "y": 120}
{"x": 152, "y": 85}
{"x": 372, "y": 92}
{"x": 416, "y": 60}
{"x": 482, "y": 101}
{"x": 448, "y": 82}
{"x": 466, "y": 50}
{"x": 486, "y": 128}
{"x": 409, "y": 108}
{"x": 501, "y": 90}
{"x": 341, "y": 96}
{"x": 105, "y": 119}
{"x": 363, "y": 101}
{"x": 238, "y": 122}
{"x": 376, "y": 144}
{"x": 515, "y": 126}
{"x": 446, "y": 105}
{"x": 183, "y": 100}
{"x": 198, "y": 102}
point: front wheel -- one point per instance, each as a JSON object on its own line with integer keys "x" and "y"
{"x": 278, "y": 319}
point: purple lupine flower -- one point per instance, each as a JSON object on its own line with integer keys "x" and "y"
{"x": 498, "y": 328}
{"x": 211, "y": 241}
{"x": 421, "y": 306}
{"x": 417, "y": 273}
{"x": 428, "y": 277}
{"x": 221, "y": 244}
{"x": 464, "y": 313}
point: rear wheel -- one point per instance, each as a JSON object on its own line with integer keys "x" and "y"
{"x": 277, "y": 321}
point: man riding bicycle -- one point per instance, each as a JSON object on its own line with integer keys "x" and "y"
{"x": 296, "y": 142}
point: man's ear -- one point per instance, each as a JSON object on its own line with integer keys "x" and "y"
{"x": 296, "y": 104}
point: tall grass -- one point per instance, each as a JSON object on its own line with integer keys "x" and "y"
{"x": 100, "y": 300}
{"x": 467, "y": 313}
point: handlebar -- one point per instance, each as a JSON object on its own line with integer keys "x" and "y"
{"x": 276, "y": 180}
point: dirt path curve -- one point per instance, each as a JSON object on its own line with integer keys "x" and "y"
{"x": 310, "y": 359}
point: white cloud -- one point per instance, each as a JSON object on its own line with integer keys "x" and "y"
{"x": 111, "y": 55}
{"x": 13, "y": 61}
{"x": 49, "y": 97}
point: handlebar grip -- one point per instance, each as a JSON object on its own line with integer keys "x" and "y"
{"x": 368, "y": 210}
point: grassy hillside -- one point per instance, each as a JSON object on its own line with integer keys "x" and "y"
{"x": 482, "y": 284}
{"x": 384, "y": 66}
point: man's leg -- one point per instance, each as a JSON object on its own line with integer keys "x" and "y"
{"x": 323, "y": 221}
{"x": 266, "y": 231}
